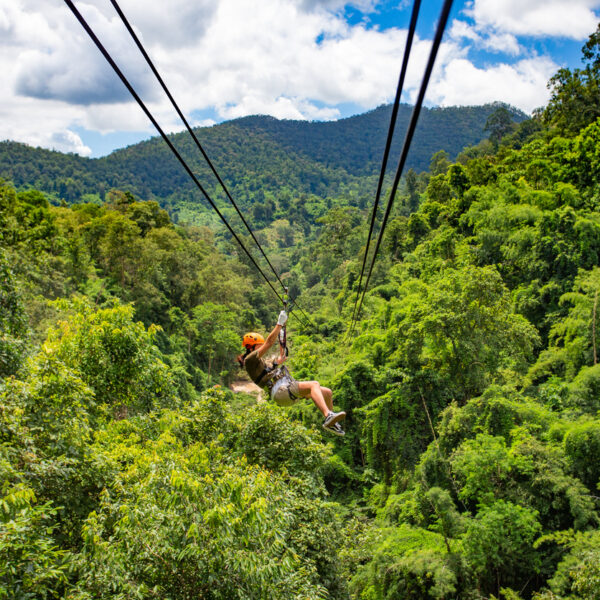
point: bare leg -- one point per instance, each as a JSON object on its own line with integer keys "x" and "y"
{"x": 320, "y": 396}
{"x": 328, "y": 395}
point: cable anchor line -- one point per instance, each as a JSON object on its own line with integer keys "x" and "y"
{"x": 388, "y": 144}
{"x": 148, "y": 114}
{"x": 443, "y": 20}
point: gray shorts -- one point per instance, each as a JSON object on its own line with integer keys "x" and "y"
{"x": 285, "y": 391}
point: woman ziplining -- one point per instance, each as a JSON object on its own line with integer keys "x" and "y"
{"x": 276, "y": 379}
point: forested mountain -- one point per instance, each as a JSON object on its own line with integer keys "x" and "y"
{"x": 471, "y": 383}
{"x": 356, "y": 144}
{"x": 256, "y": 156}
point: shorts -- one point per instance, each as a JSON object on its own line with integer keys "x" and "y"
{"x": 285, "y": 391}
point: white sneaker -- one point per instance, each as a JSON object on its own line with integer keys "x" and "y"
{"x": 332, "y": 418}
{"x": 337, "y": 429}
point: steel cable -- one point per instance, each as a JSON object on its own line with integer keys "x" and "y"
{"x": 443, "y": 20}
{"x": 147, "y": 112}
{"x": 388, "y": 144}
{"x": 190, "y": 131}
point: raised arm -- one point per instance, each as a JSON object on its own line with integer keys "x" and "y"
{"x": 272, "y": 337}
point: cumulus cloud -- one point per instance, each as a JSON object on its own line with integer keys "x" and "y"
{"x": 178, "y": 23}
{"x": 68, "y": 141}
{"x": 522, "y": 84}
{"x": 24, "y": 120}
{"x": 281, "y": 69}
{"x": 294, "y": 59}
{"x": 573, "y": 19}
{"x": 203, "y": 123}
{"x": 505, "y": 43}
{"x": 67, "y": 66}
{"x": 281, "y": 108}
{"x": 108, "y": 118}
{"x": 311, "y": 5}
{"x": 460, "y": 29}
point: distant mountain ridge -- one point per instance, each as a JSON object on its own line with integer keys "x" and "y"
{"x": 254, "y": 155}
{"x": 356, "y": 143}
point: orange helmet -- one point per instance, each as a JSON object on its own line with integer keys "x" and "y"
{"x": 253, "y": 339}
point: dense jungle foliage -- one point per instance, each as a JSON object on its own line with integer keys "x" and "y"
{"x": 470, "y": 468}
{"x": 263, "y": 160}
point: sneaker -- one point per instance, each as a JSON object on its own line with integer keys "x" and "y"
{"x": 337, "y": 429}
{"x": 332, "y": 418}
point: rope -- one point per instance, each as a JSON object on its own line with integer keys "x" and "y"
{"x": 388, "y": 144}
{"x": 112, "y": 63}
{"x": 408, "y": 139}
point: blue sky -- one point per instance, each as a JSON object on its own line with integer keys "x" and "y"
{"x": 298, "y": 59}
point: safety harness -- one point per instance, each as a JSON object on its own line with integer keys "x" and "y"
{"x": 279, "y": 371}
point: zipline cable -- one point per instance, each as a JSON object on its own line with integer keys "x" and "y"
{"x": 388, "y": 144}
{"x": 408, "y": 139}
{"x": 118, "y": 71}
{"x": 194, "y": 137}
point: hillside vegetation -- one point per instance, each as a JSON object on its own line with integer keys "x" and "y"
{"x": 470, "y": 465}
{"x": 258, "y": 158}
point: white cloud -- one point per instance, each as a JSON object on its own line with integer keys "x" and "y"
{"x": 461, "y": 29}
{"x": 108, "y": 118}
{"x": 202, "y": 123}
{"x": 502, "y": 42}
{"x": 68, "y": 141}
{"x": 522, "y": 84}
{"x": 505, "y": 43}
{"x": 276, "y": 65}
{"x": 67, "y": 66}
{"x": 176, "y": 24}
{"x": 238, "y": 58}
{"x": 24, "y": 120}
{"x": 573, "y": 19}
{"x": 312, "y": 5}
{"x": 280, "y": 108}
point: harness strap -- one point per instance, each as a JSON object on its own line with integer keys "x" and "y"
{"x": 288, "y": 380}
{"x": 279, "y": 373}
{"x": 263, "y": 373}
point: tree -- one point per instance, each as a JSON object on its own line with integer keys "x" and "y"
{"x": 575, "y": 100}
{"x": 459, "y": 179}
{"x": 194, "y": 478}
{"x": 508, "y": 559}
{"x": 439, "y": 189}
{"x": 574, "y": 340}
{"x": 216, "y": 336}
{"x": 412, "y": 188}
{"x": 578, "y": 572}
{"x": 409, "y": 563}
{"x": 582, "y": 445}
{"x": 31, "y": 564}
{"x": 499, "y": 124}
{"x": 13, "y": 327}
{"x": 462, "y": 325}
{"x": 115, "y": 356}
{"x": 440, "y": 163}
{"x": 117, "y": 246}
